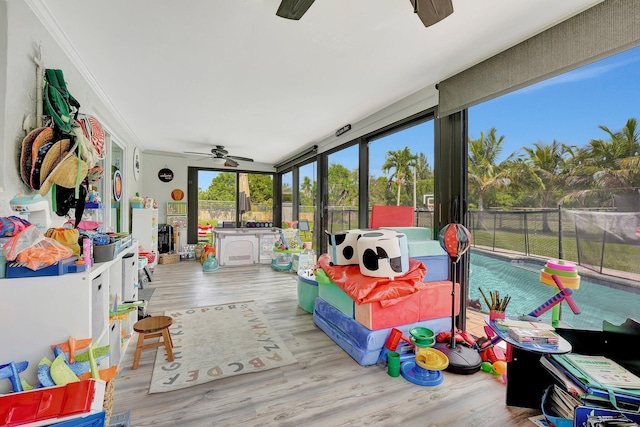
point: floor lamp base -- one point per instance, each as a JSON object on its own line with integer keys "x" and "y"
{"x": 462, "y": 360}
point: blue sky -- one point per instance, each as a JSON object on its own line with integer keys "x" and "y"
{"x": 568, "y": 108}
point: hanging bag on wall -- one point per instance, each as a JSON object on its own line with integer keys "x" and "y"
{"x": 58, "y": 102}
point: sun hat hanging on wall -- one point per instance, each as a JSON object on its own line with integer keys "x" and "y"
{"x": 52, "y": 158}
{"x": 67, "y": 173}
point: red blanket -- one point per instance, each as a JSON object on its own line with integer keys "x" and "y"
{"x": 365, "y": 289}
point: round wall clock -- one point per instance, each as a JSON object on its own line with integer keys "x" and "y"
{"x": 165, "y": 175}
{"x": 136, "y": 163}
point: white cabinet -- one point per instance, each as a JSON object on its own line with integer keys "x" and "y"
{"x": 41, "y": 311}
{"x": 144, "y": 227}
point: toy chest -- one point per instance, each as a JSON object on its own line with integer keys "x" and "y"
{"x": 307, "y": 290}
{"x": 332, "y": 294}
{"x": 362, "y": 344}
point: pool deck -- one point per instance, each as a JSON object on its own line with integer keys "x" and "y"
{"x": 475, "y": 323}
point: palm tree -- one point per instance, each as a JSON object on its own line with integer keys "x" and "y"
{"x": 548, "y": 164}
{"x": 401, "y": 162}
{"x": 483, "y": 171}
{"x": 610, "y": 164}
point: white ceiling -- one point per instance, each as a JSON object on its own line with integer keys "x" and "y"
{"x": 185, "y": 75}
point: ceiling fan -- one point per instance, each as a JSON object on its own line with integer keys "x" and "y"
{"x": 429, "y": 11}
{"x": 221, "y": 156}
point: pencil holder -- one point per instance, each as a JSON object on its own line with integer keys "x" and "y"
{"x": 496, "y": 315}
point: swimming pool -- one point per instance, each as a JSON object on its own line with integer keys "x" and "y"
{"x": 521, "y": 280}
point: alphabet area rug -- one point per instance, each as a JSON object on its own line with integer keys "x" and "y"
{"x": 216, "y": 342}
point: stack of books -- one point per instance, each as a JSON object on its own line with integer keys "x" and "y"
{"x": 529, "y": 332}
{"x": 537, "y": 336}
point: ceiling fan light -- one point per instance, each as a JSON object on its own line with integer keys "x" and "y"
{"x": 230, "y": 162}
{"x": 220, "y": 161}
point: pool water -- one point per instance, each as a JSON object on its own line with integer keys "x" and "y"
{"x": 521, "y": 280}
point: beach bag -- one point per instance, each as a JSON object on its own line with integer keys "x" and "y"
{"x": 12, "y": 225}
{"x": 58, "y": 102}
{"x": 34, "y": 250}
{"x": 68, "y": 237}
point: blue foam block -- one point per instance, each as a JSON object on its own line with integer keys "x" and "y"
{"x": 363, "y": 344}
{"x": 437, "y": 267}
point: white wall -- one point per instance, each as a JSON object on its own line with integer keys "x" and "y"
{"x": 25, "y": 37}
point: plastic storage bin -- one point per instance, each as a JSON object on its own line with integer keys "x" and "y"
{"x": 307, "y": 290}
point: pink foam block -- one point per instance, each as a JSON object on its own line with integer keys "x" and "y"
{"x": 432, "y": 302}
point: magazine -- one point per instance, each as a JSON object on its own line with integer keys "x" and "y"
{"x": 605, "y": 371}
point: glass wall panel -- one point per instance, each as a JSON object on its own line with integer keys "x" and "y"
{"x": 343, "y": 189}
{"x": 307, "y": 201}
{"x": 257, "y": 202}
{"x": 554, "y": 174}
{"x": 401, "y": 171}
{"x": 287, "y": 199}
{"x": 217, "y": 193}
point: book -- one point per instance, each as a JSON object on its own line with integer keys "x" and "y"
{"x": 562, "y": 403}
{"x": 569, "y": 384}
{"x": 513, "y": 323}
{"x": 605, "y": 371}
{"x": 538, "y": 336}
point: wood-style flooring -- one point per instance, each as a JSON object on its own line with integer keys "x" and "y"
{"x": 325, "y": 388}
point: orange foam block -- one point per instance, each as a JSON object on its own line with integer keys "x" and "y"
{"x": 432, "y": 302}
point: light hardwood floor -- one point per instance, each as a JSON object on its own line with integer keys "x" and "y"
{"x": 325, "y": 388}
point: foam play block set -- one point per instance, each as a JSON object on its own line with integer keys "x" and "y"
{"x": 417, "y": 238}
{"x": 435, "y": 259}
{"x": 343, "y": 247}
{"x": 383, "y": 253}
{"x": 374, "y": 316}
{"x": 432, "y": 302}
{"x": 362, "y": 344}
{"x": 332, "y": 294}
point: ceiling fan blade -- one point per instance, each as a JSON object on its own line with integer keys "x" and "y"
{"x": 197, "y": 154}
{"x": 293, "y": 9}
{"x": 432, "y": 11}
{"x": 244, "y": 159}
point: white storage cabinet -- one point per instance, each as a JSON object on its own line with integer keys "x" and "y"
{"x": 38, "y": 312}
{"x": 144, "y": 228}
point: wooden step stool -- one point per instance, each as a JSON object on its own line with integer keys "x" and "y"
{"x": 153, "y": 327}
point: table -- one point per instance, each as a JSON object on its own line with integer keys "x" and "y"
{"x": 526, "y": 377}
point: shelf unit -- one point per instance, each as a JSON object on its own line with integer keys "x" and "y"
{"x": 177, "y": 218}
{"x": 144, "y": 228}
{"x": 48, "y": 310}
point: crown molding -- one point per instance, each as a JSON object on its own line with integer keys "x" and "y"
{"x": 43, "y": 13}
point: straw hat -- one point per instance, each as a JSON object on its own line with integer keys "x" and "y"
{"x": 37, "y": 165}
{"x": 66, "y": 173}
{"x": 42, "y": 141}
{"x": 25, "y": 155}
{"x": 52, "y": 158}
